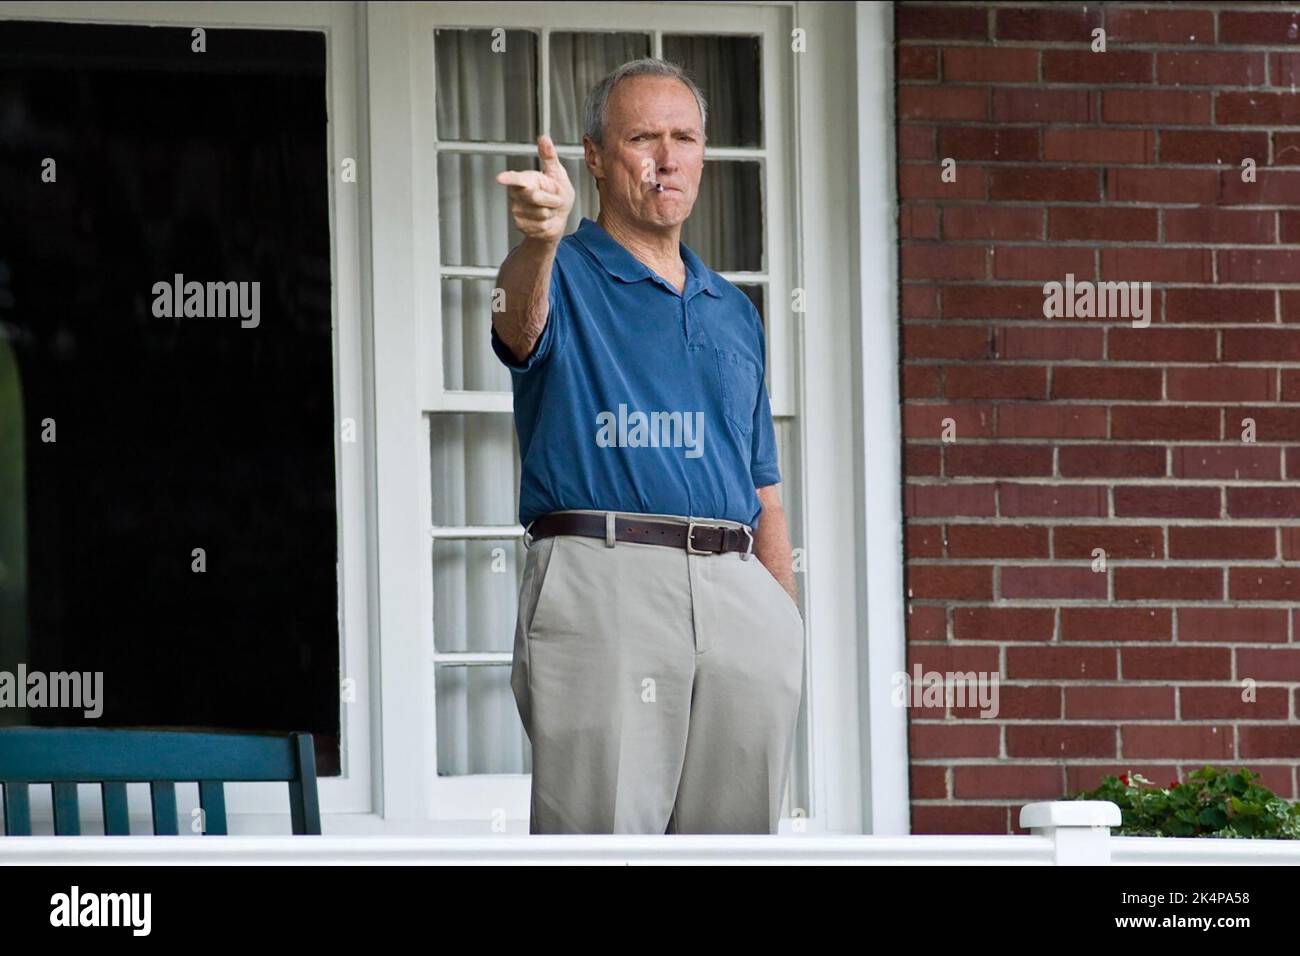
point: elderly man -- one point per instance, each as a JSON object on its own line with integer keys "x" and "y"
{"x": 658, "y": 657}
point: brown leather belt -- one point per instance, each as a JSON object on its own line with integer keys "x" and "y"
{"x": 695, "y": 537}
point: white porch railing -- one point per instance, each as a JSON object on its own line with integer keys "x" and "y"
{"x": 1062, "y": 833}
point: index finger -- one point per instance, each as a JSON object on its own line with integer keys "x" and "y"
{"x": 547, "y": 154}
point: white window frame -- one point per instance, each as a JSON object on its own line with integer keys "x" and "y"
{"x": 463, "y": 797}
{"x": 384, "y": 300}
{"x": 885, "y": 765}
{"x": 262, "y": 807}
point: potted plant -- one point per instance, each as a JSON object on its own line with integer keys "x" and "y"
{"x": 1210, "y": 803}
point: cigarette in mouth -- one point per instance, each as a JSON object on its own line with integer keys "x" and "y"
{"x": 659, "y": 187}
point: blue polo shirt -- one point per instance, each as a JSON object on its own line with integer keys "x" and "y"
{"x": 639, "y": 398}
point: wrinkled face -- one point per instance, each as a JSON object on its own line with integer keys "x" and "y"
{"x": 653, "y": 134}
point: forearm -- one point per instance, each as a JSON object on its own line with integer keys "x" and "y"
{"x": 525, "y": 279}
{"x": 772, "y": 540}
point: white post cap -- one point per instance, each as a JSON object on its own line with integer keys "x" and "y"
{"x": 1069, "y": 813}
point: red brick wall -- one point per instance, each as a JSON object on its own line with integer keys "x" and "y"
{"x": 1077, "y": 434}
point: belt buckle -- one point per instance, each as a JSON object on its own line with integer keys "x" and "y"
{"x": 690, "y": 545}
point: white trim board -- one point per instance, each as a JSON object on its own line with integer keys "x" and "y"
{"x": 878, "y": 427}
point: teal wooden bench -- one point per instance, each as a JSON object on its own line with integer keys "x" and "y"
{"x": 64, "y": 758}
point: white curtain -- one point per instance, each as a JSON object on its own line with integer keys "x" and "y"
{"x": 489, "y": 97}
{"x": 726, "y": 228}
{"x": 578, "y": 62}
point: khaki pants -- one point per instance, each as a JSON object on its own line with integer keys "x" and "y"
{"x": 659, "y": 689}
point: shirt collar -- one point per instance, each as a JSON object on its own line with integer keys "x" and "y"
{"x": 621, "y": 264}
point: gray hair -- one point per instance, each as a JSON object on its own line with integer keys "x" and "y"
{"x": 597, "y": 103}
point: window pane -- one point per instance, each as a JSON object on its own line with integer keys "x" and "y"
{"x": 474, "y": 222}
{"x": 755, "y": 293}
{"x": 725, "y": 229}
{"x": 468, "y": 360}
{"x": 173, "y": 431}
{"x": 475, "y": 592}
{"x": 479, "y": 730}
{"x": 475, "y": 481}
{"x": 727, "y": 70}
{"x": 486, "y": 92}
{"x": 475, "y": 463}
{"x": 578, "y": 62}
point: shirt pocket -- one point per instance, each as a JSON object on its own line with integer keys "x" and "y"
{"x": 738, "y": 385}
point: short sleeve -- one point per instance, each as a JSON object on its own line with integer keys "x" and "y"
{"x": 763, "y": 457}
{"x": 553, "y": 331}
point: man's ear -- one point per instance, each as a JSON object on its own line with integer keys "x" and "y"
{"x": 591, "y": 156}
